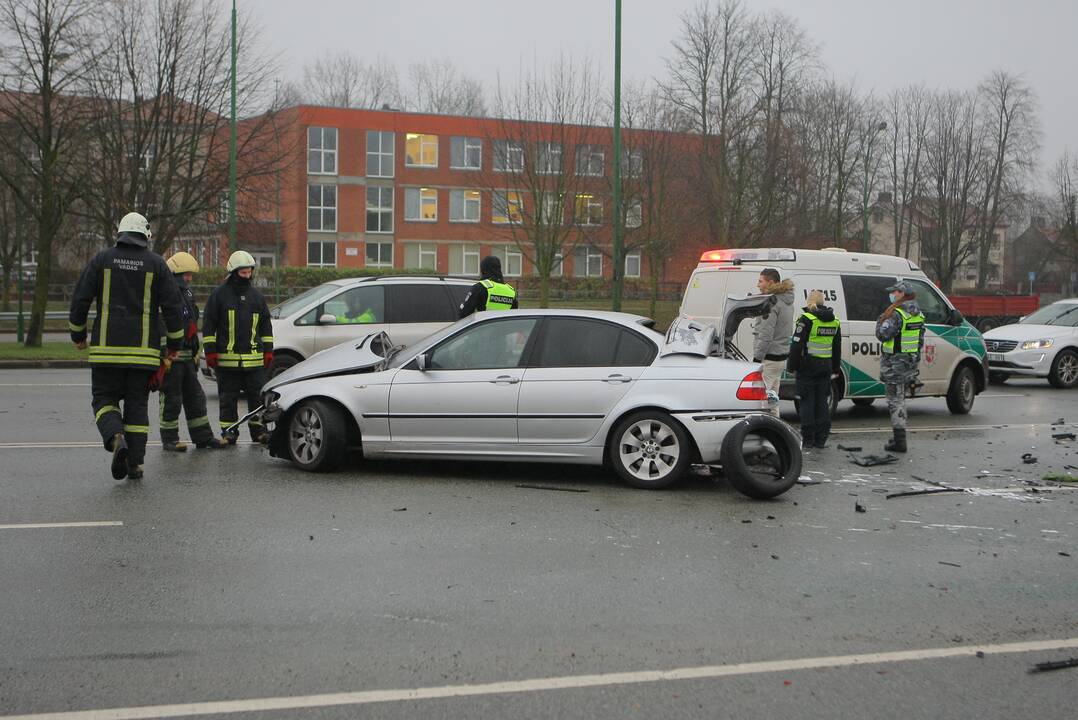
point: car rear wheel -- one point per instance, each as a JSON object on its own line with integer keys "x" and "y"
{"x": 1064, "y": 373}
{"x": 963, "y": 391}
{"x": 761, "y": 457}
{"x": 998, "y": 378}
{"x": 650, "y": 450}
{"x": 316, "y": 436}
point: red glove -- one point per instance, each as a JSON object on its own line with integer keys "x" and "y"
{"x": 158, "y": 378}
{"x": 192, "y": 330}
{"x": 267, "y": 358}
{"x": 211, "y": 359}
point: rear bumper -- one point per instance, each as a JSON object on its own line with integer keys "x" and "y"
{"x": 709, "y": 428}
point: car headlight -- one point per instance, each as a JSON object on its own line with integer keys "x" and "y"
{"x": 1036, "y": 344}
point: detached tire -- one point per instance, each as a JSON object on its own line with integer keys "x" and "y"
{"x": 963, "y": 391}
{"x": 650, "y": 450}
{"x": 761, "y": 457}
{"x": 281, "y": 363}
{"x": 316, "y": 436}
{"x": 1064, "y": 372}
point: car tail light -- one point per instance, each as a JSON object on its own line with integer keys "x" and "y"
{"x": 752, "y": 387}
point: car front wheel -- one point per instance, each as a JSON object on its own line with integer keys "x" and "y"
{"x": 1064, "y": 373}
{"x": 962, "y": 393}
{"x": 316, "y": 436}
{"x": 650, "y": 450}
{"x": 761, "y": 457}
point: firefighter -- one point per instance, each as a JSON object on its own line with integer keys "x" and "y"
{"x": 181, "y": 387}
{"x": 237, "y": 336}
{"x": 133, "y": 288}
{"x": 491, "y": 292}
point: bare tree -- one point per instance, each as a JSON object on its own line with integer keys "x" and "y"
{"x": 343, "y": 80}
{"x": 48, "y": 48}
{"x": 438, "y": 87}
{"x": 907, "y": 123}
{"x": 10, "y": 243}
{"x": 1065, "y": 177}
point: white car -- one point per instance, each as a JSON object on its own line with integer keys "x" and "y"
{"x": 540, "y": 386}
{"x": 1043, "y": 344}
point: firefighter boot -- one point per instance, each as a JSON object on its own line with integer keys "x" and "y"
{"x": 211, "y": 444}
{"x": 174, "y": 446}
{"x": 119, "y": 456}
{"x": 898, "y": 443}
{"x": 134, "y": 472}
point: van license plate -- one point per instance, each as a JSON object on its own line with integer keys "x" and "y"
{"x": 995, "y": 357}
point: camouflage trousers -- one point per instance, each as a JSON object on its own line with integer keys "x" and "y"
{"x": 896, "y": 405}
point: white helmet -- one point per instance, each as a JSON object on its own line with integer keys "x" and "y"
{"x": 240, "y": 259}
{"x": 133, "y": 222}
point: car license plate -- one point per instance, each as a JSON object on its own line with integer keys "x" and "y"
{"x": 995, "y": 357}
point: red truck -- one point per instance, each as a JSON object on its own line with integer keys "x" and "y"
{"x": 990, "y": 311}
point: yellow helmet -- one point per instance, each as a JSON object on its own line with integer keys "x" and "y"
{"x": 182, "y": 262}
{"x": 240, "y": 259}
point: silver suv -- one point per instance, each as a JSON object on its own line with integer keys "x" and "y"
{"x": 407, "y": 308}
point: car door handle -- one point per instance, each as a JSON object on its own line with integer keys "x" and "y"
{"x": 617, "y": 378}
{"x": 506, "y": 379}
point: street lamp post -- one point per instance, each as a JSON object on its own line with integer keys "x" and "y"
{"x": 19, "y": 329}
{"x": 232, "y": 245}
{"x": 864, "y": 208}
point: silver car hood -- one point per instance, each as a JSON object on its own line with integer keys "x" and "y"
{"x": 368, "y": 353}
{"x": 692, "y": 337}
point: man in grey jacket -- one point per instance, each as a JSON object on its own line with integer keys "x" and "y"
{"x": 772, "y": 343}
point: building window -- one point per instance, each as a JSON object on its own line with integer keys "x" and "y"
{"x": 463, "y": 259}
{"x": 548, "y": 158}
{"x": 512, "y": 260}
{"x": 420, "y": 204}
{"x": 322, "y": 208}
{"x": 420, "y": 150}
{"x": 321, "y": 151}
{"x": 632, "y": 162}
{"x": 379, "y": 154}
{"x": 379, "y": 209}
{"x": 379, "y": 254}
{"x": 552, "y": 214}
{"x": 464, "y": 206}
{"x": 508, "y": 155}
{"x": 632, "y": 264}
{"x": 589, "y": 210}
{"x": 634, "y": 213}
{"x": 465, "y": 153}
{"x": 590, "y": 160}
{"x": 587, "y": 262}
{"x": 321, "y": 253}
{"x": 422, "y": 256}
{"x": 506, "y": 207}
{"x": 559, "y": 265}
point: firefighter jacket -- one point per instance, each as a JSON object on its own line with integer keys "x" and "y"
{"x": 189, "y": 349}
{"x": 237, "y": 326}
{"x": 137, "y": 299}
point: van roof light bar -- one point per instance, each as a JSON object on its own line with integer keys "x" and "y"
{"x": 737, "y": 255}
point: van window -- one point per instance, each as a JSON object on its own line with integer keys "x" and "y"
{"x": 419, "y": 303}
{"x": 359, "y": 305}
{"x": 866, "y": 295}
{"x": 932, "y": 305}
{"x": 706, "y": 294}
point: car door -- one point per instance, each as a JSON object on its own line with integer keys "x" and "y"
{"x": 356, "y": 312}
{"x": 866, "y": 299}
{"x": 417, "y": 310}
{"x": 579, "y": 370}
{"x": 468, "y": 393}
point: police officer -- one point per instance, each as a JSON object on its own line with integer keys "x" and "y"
{"x": 181, "y": 387}
{"x": 491, "y": 292}
{"x": 132, "y": 287}
{"x": 901, "y": 330}
{"x": 237, "y": 334}
{"x": 815, "y": 360}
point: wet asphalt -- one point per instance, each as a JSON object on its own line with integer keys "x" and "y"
{"x": 235, "y": 577}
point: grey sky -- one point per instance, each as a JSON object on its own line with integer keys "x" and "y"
{"x": 881, "y": 43}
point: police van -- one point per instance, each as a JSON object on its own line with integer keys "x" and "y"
{"x": 953, "y": 360}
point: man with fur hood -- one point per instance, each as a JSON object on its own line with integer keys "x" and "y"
{"x": 901, "y": 330}
{"x": 772, "y": 344}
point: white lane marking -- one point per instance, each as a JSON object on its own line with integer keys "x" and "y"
{"x": 1004, "y": 395}
{"x": 93, "y": 523}
{"x": 566, "y": 682}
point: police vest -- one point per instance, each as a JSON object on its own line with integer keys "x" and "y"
{"x": 910, "y": 337}
{"x": 821, "y": 336}
{"x": 363, "y": 319}
{"x": 500, "y": 296}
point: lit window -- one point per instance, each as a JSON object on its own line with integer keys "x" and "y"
{"x": 379, "y": 254}
{"x": 464, "y": 206}
{"x": 590, "y": 160}
{"x": 321, "y": 253}
{"x": 589, "y": 210}
{"x": 508, "y": 155}
{"x": 379, "y": 209}
{"x": 322, "y": 208}
{"x": 506, "y": 207}
{"x": 420, "y": 150}
{"x": 321, "y": 151}
{"x": 632, "y": 265}
{"x": 423, "y": 256}
{"x": 587, "y": 262}
{"x": 379, "y": 153}
{"x": 420, "y": 204}
{"x": 465, "y": 153}
{"x": 548, "y": 158}
{"x": 463, "y": 259}
{"x": 512, "y": 260}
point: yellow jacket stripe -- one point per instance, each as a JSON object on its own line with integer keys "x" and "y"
{"x": 147, "y": 303}
{"x": 105, "y": 292}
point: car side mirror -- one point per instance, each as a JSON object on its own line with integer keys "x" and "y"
{"x": 422, "y": 361}
{"x": 955, "y": 317}
{"x": 327, "y": 319}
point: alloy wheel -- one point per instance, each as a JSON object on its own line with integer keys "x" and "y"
{"x": 649, "y": 450}
{"x": 305, "y": 435}
{"x": 1068, "y": 369}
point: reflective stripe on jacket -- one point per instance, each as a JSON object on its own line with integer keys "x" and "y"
{"x": 910, "y": 335}
{"x": 236, "y": 325}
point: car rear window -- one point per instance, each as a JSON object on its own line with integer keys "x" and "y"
{"x": 420, "y": 303}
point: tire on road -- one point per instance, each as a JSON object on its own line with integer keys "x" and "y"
{"x": 317, "y": 436}
{"x": 650, "y": 450}
{"x": 962, "y": 392}
{"x": 281, "y": 363}
{"x": 761, "y": 457}
{"x": 998, "y": 378}
{"x": 1064, "y": 372}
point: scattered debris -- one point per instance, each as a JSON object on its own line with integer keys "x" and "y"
{"x": 551, "y": 487}
{"x": 1060, "y": 421}
{"x": 944, "y": 562}
{"x": 399, "y": 509}
{"x": 871, "y": 460}
{"x": 1055, "y": 665}
{"x": 1060, "y": 477}
{"x": 858, "y": 507}
{"x": 980, "y": 654}
{"x": 1029, "y": 459}
{"x": 850, "y": 448}
{"x": 746, "y": 522}
{"x": 1064, "y": 554}
{"x": 1063, "y": 436}
{"x": 933, "y": 491}
{"x": 806, "y": 480}
{"x": 774, "y": 557}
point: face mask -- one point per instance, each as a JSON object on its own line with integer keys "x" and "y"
{"x": 892, "y": 297}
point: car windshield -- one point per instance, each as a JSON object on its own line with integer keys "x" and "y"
{"x": 1064, "y": 314}
{"x": 300, "y": 301}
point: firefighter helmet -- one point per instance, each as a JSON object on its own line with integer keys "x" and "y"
{"x": 240, "y": 259}
{"x": 181, "y": 263}
{"x": 133, "y": 222}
